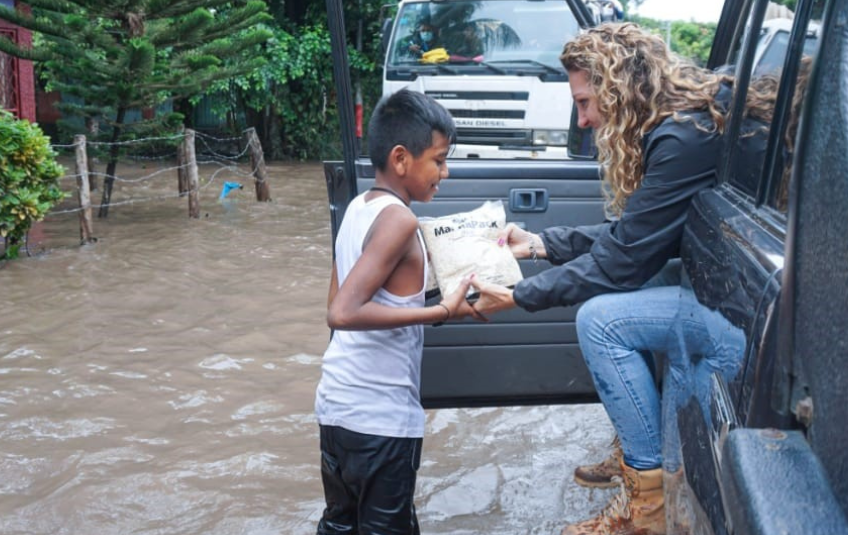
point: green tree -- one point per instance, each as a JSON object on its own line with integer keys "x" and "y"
{"x": 692, "y": 40}
{"x": 115, "y": 57}
{"x": 290, "y": 100}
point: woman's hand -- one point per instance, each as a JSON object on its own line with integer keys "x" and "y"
{"x": 520, "y": 241}
{"x": 493, "y": 298}
{"x": 457, "y": 305}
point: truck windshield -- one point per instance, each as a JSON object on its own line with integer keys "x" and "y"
{"x": 513, "y": 34}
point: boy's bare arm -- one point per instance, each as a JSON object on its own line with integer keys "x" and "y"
{"x": 388, "y": 243}
{"x": 334, "y": 286}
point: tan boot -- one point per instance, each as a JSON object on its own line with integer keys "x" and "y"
{"x": 637, "y": 510}
{"x": 600, "y": 475}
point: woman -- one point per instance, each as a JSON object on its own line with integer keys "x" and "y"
{"x": 657, "y": 126}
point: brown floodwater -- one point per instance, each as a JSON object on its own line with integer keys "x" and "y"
{"x": 161, "y": 380}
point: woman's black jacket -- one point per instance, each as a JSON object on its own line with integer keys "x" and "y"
{"x": 679, "y": 161}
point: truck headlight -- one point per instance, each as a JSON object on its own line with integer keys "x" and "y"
{"x": 553, "y": 138}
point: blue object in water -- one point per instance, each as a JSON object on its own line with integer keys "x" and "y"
{"x": 228, "y": 187}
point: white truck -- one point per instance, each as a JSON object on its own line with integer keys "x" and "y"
{"x": 499, "y": 72}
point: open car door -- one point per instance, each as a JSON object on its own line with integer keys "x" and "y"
{"x": 518, "y": 357}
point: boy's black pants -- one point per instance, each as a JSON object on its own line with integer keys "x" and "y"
{"x": 369, "y": 483}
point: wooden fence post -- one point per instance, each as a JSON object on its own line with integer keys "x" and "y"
{"x": 257, "y": 164}
{"x": 92, "y": 126}
{"x": 191, "y": 173}
{"x": 84, "y": 193}
{"x": 182, "y": 175}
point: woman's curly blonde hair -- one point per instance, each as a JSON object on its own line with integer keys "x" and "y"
{"x": 639, "y": 83}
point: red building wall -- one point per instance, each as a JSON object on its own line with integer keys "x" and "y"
{"x": 18, "y": 77}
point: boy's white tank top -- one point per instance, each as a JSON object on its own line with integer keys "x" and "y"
{"x": 370, "y": 380}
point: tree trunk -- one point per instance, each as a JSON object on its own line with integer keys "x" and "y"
{"x": 112, "y": 166}
{"x": 184, "y": 107}
{"x": 275, "y": 135}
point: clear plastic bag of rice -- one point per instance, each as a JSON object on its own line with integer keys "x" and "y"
{"x": 465, "y": 243}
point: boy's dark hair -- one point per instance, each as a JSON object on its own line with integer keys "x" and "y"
{"x": 406, "y": 118}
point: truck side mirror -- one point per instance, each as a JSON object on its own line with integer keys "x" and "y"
{"x": 385, "y": 35}
{"x": 581, "y": 141}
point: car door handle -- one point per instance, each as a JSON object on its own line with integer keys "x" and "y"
{"x": 528, "y": 199}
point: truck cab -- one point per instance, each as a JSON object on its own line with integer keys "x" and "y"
{"x": 499, "y": 74}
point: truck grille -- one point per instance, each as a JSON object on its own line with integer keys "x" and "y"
{"x": 480, "y": 136}
{"x": 479, "y": 95}
{"x": 488, "y": 114}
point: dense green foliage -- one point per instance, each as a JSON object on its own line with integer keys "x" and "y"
{"x": 292, "y": 95}
{"x": 111, "y": 58}
{"x": 691, "y": 40}
{"x": 291, "y": 100}
{"x": 29, "y": 179}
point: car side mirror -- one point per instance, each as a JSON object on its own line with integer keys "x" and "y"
{"x": 581, "y": 141}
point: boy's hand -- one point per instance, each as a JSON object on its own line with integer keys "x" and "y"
{"x": 519, "y": 241}
{"x": 493, "y": 298}
{"x": 458, "y": 306}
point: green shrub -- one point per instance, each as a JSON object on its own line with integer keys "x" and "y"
{"x": 29, "y": 179}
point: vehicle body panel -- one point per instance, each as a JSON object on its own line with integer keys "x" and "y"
{"x": 742, "y": 474}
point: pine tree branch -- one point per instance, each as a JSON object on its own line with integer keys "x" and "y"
{"x": 48, "y": 24}
{"x": 185, "y": 33}
{"x": 164, "y": 9}
{"x": 237, "y": 45}
{"x": 31, "y": 54}
{"x": 57, "y": 6}
{"x": 253, "y": 14}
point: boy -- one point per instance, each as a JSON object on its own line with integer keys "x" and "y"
{"x": 367, "y": 402}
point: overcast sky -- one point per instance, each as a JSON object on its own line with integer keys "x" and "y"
{"x": 697, "y": 10}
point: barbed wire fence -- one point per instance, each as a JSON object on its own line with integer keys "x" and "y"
{"x": 189, "y": 183}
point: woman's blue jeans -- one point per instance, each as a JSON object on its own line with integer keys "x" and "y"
{"x": 617, "y": 334}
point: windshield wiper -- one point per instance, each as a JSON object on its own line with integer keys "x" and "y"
{"x": 545, "y": 66}
{"x": 417, "y": 67}
{"x": 489, "y": 65}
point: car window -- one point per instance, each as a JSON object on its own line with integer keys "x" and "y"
{"x": 778, "y": 190}
{"x": 752, "y": 111}
{"x": 775, "y": 51}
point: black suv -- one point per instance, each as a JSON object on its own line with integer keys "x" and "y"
{"x": 767, "y": 249}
